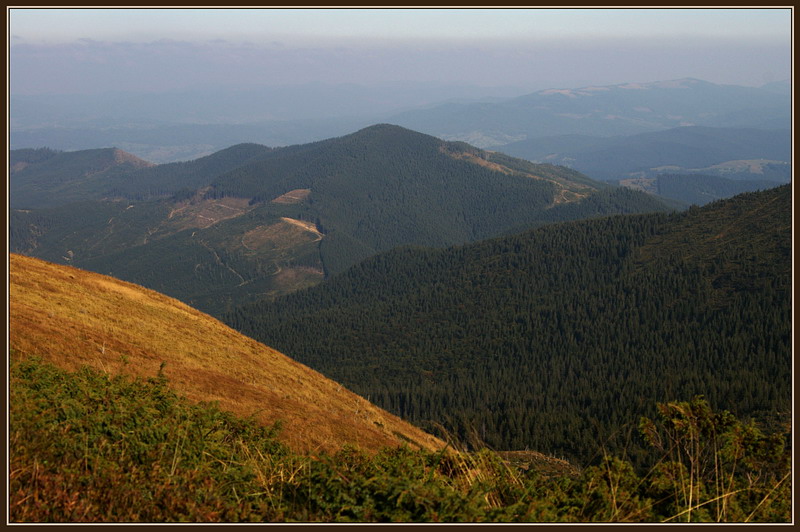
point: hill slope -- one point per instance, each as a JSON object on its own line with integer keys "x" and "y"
{"x": 73, "y": 318}
{"x": 43, "y": 177}
{"x": 271, "y": 221}
{"x": 551, "y": 339}
{"x": 699, "y": 189}
{"x": 47, "y": 178}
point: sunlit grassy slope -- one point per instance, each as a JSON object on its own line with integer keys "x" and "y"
{"x": 73, "y": 318}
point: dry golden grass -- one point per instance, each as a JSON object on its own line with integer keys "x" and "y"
{"x": 297, "y": 195}
{"x": 305, "y": 226}
{"x": 71, "y": 318}
{"x": 474, "y": 159}
{"x": 567, "y": 190}
{"x": 285, "y": 234}
{"x": 125, "y": 157}
{"x": 295, "y": 278}
{"x": 204, "y": 213}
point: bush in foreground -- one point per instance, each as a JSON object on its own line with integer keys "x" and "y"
{"x": 87, "y": 447}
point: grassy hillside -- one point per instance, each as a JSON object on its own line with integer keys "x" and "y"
{"x": 250, "y": 222}
{"x": 73, "y": 318}
{"x": 556, "y": 338}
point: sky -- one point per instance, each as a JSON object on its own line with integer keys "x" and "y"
{"x": 85, "y": 51}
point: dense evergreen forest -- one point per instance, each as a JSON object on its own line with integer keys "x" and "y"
{"x": 555, "y": 338}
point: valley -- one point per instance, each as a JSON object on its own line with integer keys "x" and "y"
{"x": 146, "y": 403}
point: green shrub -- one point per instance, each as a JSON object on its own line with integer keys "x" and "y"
{"x": 715, "y": 467}
{"x": 86, "y": 447}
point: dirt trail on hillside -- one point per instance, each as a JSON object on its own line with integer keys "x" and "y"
{"x": 308, "y": 226}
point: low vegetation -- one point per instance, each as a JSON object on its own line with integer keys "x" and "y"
{"x": 88, "y": 447}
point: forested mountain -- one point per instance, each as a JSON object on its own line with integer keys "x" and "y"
{"x": 251, "y": 222}
{"x": 46, "y": 178}
{"x": 43, "y": 177}
{"x": 624, "y": 109}
{"x": 554, "y": 338}
{"x": 408, "y": 188}
{"x": 699, "y": 189}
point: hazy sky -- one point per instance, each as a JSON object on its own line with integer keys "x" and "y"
{"x": 96, "y": 50}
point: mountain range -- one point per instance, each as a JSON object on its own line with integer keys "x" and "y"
{"x": 169, "y": 127}
{"x": 623, "y": 109}
{"x": 251, "y": 222}
{"x": 179, "y": 126}
{"x": 692, "y": 164}
{"x": 462, "y": 294}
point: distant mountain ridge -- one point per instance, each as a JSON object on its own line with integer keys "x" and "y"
{"x": 643, "y": 154}
{"x": 623, "y": 109}
{"x": 170, "y": 127}
{"x": 44, "y": 177}
{"x": 700, "y": 189}
{"x": 222, "y": 231}
{"x": 20, "y": 159}
{"x": 109, "y": 173}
